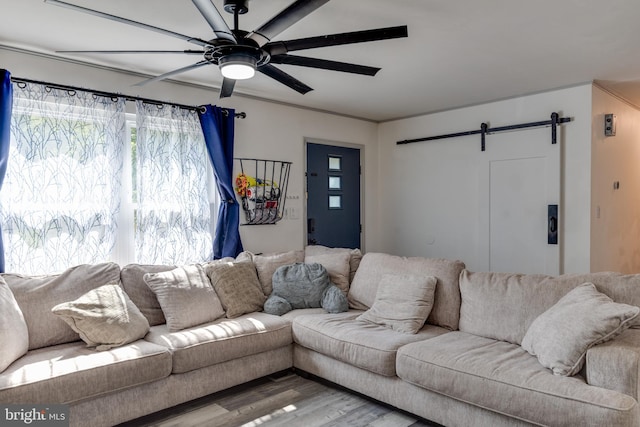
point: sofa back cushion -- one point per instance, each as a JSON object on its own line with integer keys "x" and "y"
{"x": 446, "y": 307}
{"x": 502, "y": 306}
{"x": 132, "y": 277}
{"x": 14, "y": 334}
{"x": 267, "y": 264}
{"x": 37, "y": 295}
{"x": 355, "y": 256}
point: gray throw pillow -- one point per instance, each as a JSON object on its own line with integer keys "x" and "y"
{"x": 104, "y": 317}
{"x": 583, "y": 318}
{"x": 304, "y": 286}
{"x": 403, "y": 302}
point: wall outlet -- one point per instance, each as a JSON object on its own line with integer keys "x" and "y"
{"x": 609, "y": 125}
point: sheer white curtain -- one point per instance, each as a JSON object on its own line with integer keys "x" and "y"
{"x": 61, "y": 194}
{"x": 173, "y": 216}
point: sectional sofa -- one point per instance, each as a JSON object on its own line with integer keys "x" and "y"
{"x": 455, "y": 347}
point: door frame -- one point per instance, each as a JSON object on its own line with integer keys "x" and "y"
{"x": 359, "y": 147}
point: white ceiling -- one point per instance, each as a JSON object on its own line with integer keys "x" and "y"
{"x": 458, "y": 53}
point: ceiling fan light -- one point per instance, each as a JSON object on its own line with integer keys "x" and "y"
{"x": 238, "y": 66}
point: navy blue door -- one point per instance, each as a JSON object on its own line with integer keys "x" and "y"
{"x": 333, "y": 196}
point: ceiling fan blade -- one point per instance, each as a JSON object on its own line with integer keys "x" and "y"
{"x": 128, "y": 21}
{"x": 284, "y": 78}
{"x": 227, "y": 87}
{"x": 174, "y": 72}
{"x": 277, "y": 48}
{"x": 324, "y": 64}
{"x": 188, "y": 52}
{"x": 283, "y": 20}
{"x": 215, "y": 20}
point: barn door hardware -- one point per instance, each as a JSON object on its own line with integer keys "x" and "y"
{"x": 484, "y": 130}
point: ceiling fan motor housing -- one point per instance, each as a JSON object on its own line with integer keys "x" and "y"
{"x": 236, "y": 6}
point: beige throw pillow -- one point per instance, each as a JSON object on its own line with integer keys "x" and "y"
{"x": 336, "y": 264}
{"x": 186, "y": 296}
{"x": 402, "y": 303}
{"x": 14, "y": 334}
{"x": 104, "y": 317}
{"x": 237, "y": 286}
{"x": 583, "y": 318}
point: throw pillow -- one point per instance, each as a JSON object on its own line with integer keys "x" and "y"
{"x": 37, "y": 295}
{"x": 186, "y": 296}
{"x": 237, "y": 286}
{"x": 14, "y": 334}
{"x": 267, "y": 264}
{"x": 402, "y": 303}
{"x": 336, "y": 264}
{"x": 104, "y": 317}
{"x": 583, "y": 318}
{"x": 304, "y": 286}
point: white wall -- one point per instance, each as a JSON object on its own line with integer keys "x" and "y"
{"x": 419, "y": 199}
{"x": 615, "y": 225}
{"x": 270, "y": 131}
{"x": 428, "y": 191}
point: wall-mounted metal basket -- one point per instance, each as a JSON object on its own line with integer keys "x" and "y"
{"x": 262, "y": 186}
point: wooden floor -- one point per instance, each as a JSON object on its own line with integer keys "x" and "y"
{"x": 286, "y": 400}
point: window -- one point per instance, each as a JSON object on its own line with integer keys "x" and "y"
{"x": 87, "y": 183}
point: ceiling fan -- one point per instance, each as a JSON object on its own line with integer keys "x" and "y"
{"x": 239, "y": 54}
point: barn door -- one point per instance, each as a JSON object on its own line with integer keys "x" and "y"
{"x": 519, "y": 200}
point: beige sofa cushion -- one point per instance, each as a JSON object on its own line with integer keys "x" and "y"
{"x": 615, "y": 365}
{"x": 104, "y": 317}
{"x": 446, "y": 307}
{"x": 186, "y": 296}
{"x": 37, "y": 295}
{"x": 505, "y": 378}
{"x": 222, "y": 340}
{"x": 267, "y": 264}
{"x": 355, "y": 256}
{"x": 503, "y": 305}
{"x": 336, "y": 264}
{"x": 362, "y": 344}
{"x": 132, "y": 277}
{"x": 402, "y": 303}
{"x": 583, "y": 318}
{"x": 237, "y": 285}
{"x": 72, "y": 372}
{"x": 14, "y": 334}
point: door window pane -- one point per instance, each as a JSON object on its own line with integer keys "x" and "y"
{"x": 335, "y": 163}
{"x": 335, "y": 183}
{"x": 335, "y": 202}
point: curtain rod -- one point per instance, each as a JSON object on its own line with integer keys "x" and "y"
{"x": 240, "y": 115}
